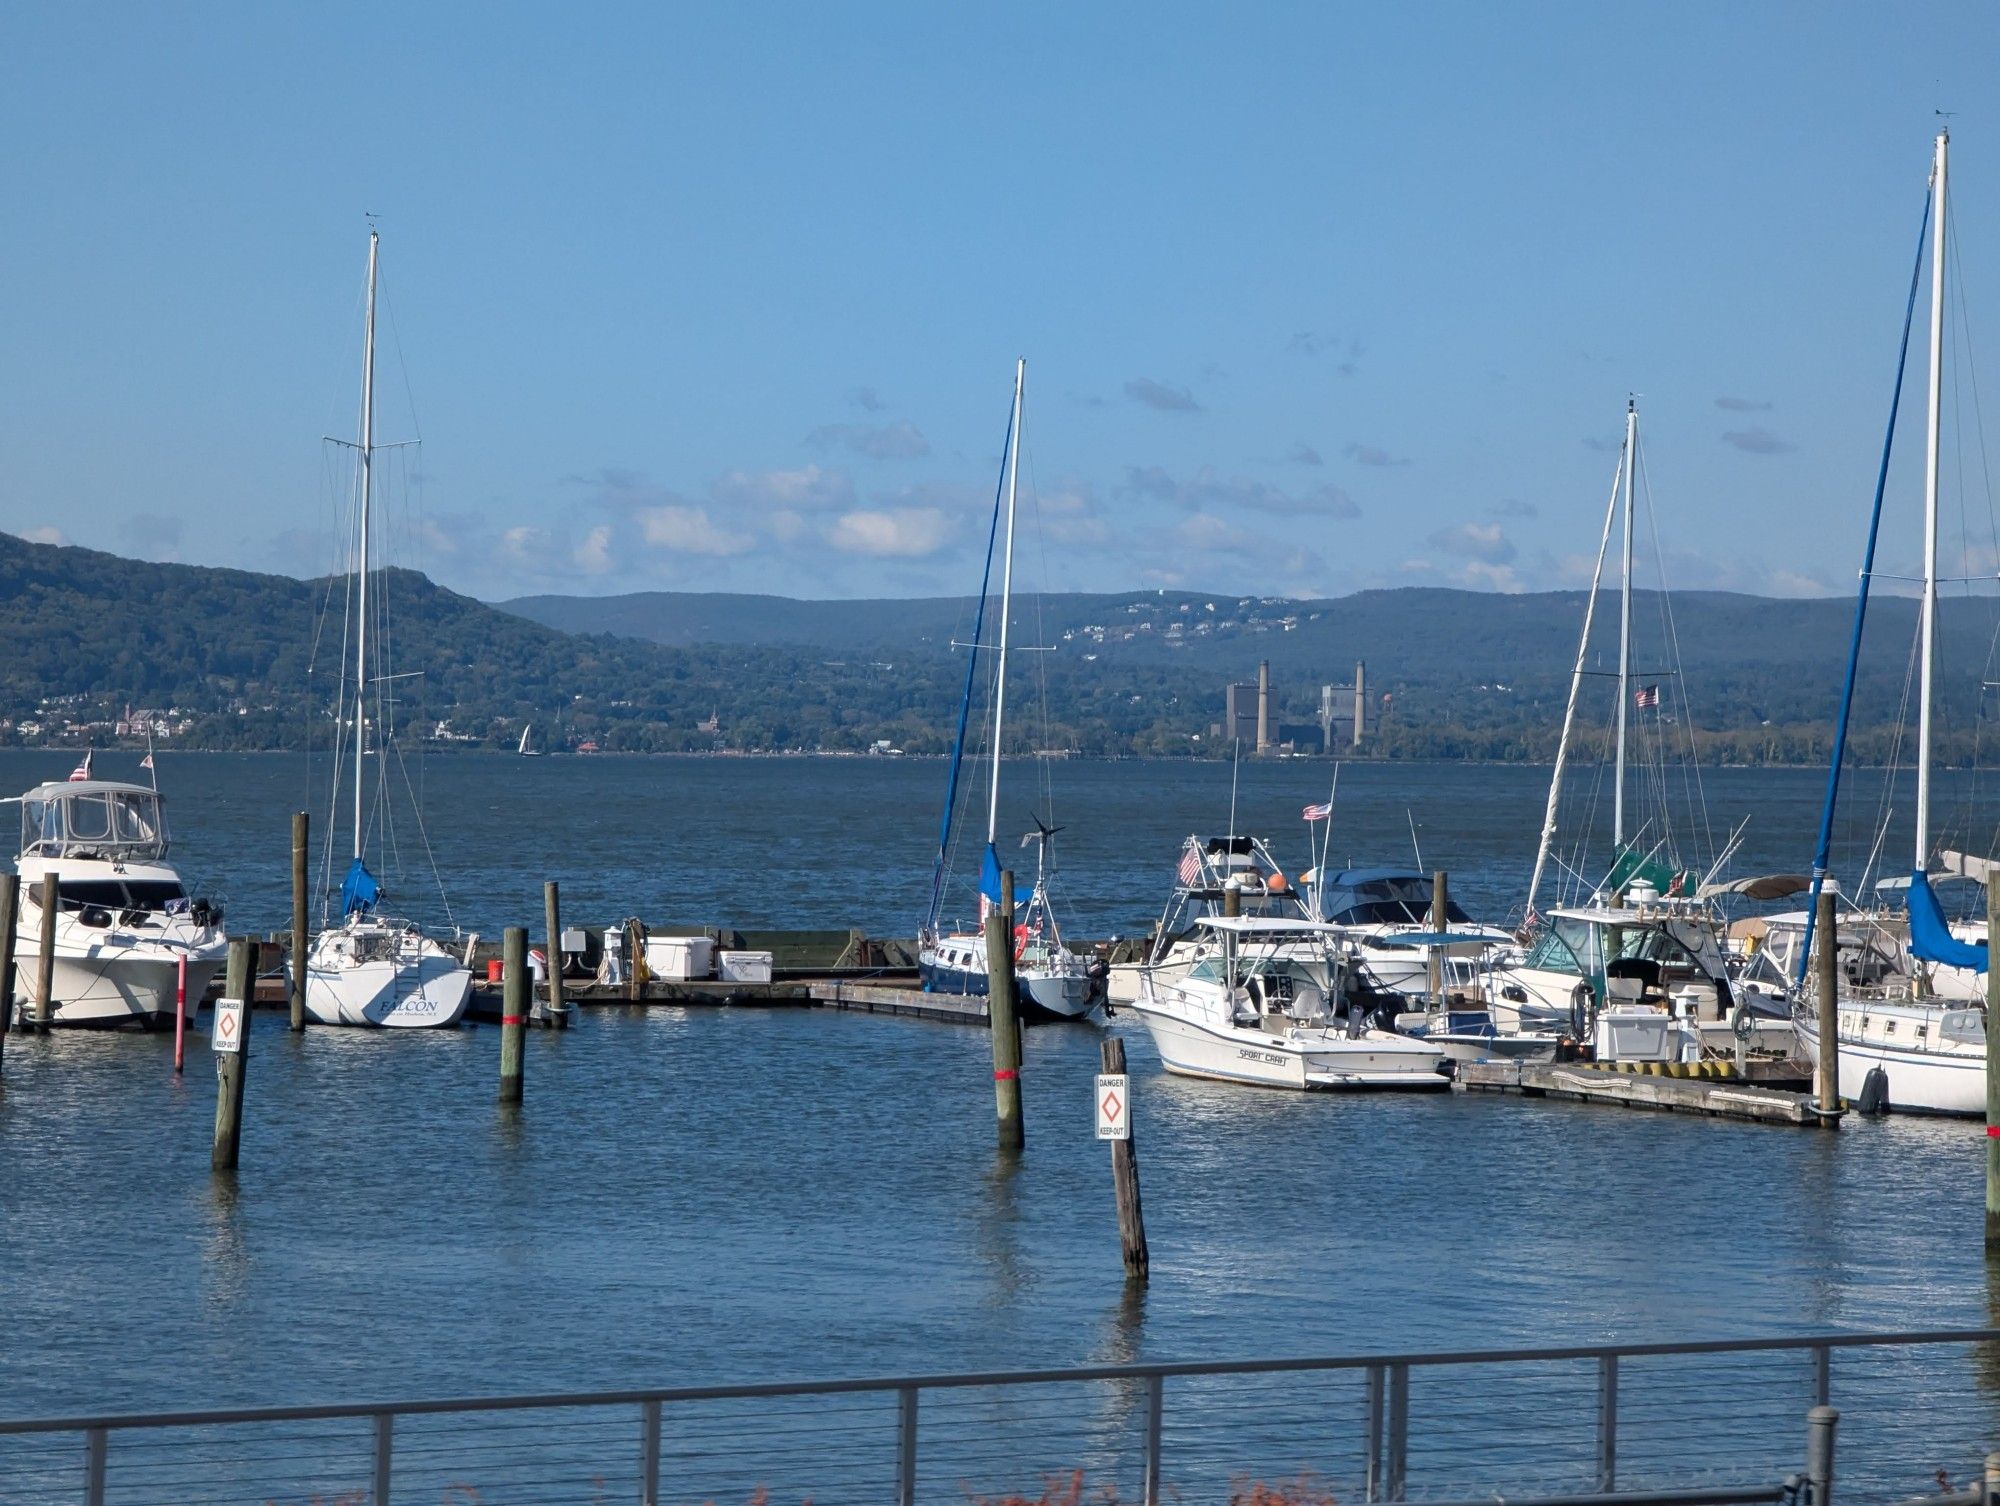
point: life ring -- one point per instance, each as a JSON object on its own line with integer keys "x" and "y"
{"x": 1020, "y": 941}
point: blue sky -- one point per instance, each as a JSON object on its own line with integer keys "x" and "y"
{"x": 1313, "y": 297}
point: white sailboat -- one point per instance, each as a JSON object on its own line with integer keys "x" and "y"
{"x": 128, "y": 939}
{"x": 369, "y": 969}
{"x": 1930, "y": 1049}
{"x": 1049, "y": 979}
{"x": 525, "y": 750}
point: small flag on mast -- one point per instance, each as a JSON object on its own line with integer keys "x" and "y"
{"x": 146, "y": 762}
{"x": 1646, "y": 697}
{"x": 81, "y": 771}
{"x": 1190, "y": 869}
{"x": 1317, "y": 812}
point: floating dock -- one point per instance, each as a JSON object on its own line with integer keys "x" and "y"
{"x": 883, "y": 998}
{"x": 1717, "y": 1095}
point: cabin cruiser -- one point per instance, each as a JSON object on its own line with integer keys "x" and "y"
{"x": 1215, "y": 872}
{"x": 1388, "y": 913}
{"x": 1643, "y": 980}
{"x": 1267, "y": 1003}
{"x": 128, "y": 939}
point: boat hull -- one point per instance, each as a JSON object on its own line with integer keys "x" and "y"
{"x": 1038, "y": 995}
{"x": 121, "y": 989}
{"x": 1376, "y": 1060}
{"x": 1952, "y": 1084}
{"x": 417, "y": 985}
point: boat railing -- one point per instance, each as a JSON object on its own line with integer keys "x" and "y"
{"x": 1654, "y": 1424}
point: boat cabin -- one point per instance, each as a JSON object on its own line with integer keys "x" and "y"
{"x": 93, "y": 819}
{"x": 1631, "y": 957}
{"x": 1382, "y": 897}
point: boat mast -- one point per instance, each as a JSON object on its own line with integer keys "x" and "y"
{"x": 367, "y": 467}
{"x": 1928, "y": 630}
{"x": 1625, "y": 628}
{"x": 1006, "y": 598}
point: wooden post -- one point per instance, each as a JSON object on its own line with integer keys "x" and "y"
{"x": 45, "y": 985}
{"x": 1440, "y": 908}
{"x": 1232, "y": 901}
{"x": 514, "y": 1000}
{"x": 231, "y": 1067}
{"x": 1992, "y": 1065}
{"x": 1826, "y": 970}
{"x": 552, "y": 908}
{"x": 1125, "y": 1173}
{"x": 301, "y": 833}
{"x": 10, "y": 918}
{"x": 635, "y": 958}
{"x": 1006, "y": 1028}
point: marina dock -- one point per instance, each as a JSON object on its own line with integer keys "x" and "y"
{"x": 1725, "y": 1097}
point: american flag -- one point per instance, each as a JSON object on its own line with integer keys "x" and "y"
{"x": 1190, "y": 867}
{"x": 1646, "y": 697}
{"x": 1317, "y": 812}
{"x": 146, "y": 762}
{"x": 81, "y": 771}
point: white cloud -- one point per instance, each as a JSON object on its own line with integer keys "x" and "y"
{"x": 689, "y": 530}
{"x": 593, "y": 555}
{"x": 1486, "y": 543}
{"x": 899, "y": 532}
{"x": 46, "y": 534}
{"x": 808, "y": 487}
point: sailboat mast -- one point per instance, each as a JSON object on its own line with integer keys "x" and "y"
{"x": 1006, "y": 600}
{"x": 1625, "y": 627}
{"x": 1929, "y": 625}
{"x": 367, "y": 479}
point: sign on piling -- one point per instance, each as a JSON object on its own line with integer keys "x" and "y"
{"x": 226, "y": 1033}
{"x": 232, "y": 1060}
{"x": 1114, "y": 1118}
{"x": 1124, "y": 1158}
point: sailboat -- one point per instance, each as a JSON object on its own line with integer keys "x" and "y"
{"x": 1930, "y": 1049}
{"x": 526, "y": 750}
{"x": 1637, "y": 966}
{"x": 1049, "y": 980}
{"x": 369, "y": 969}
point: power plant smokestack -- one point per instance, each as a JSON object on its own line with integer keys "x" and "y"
{"x": 1360, "y": 700}
{"x": 1264, "y": 706}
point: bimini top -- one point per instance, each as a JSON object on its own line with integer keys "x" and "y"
{"x": 1383, "y": 896}
{"x": 92, "y": 818}
{"x": 1267, "y": 925}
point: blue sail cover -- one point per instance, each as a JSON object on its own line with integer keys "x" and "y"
{"x": 358, "y": 891}
{"x": 989, "y": 875}
{"x": 1931, "y": 938}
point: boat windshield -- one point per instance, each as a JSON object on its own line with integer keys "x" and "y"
{"x": 1568, "y": 946}
{"x": 94, "y": 823}
{"x": 124, "y": 894}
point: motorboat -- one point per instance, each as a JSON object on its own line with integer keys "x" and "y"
{"x": 1389, "y": 913}
{"x": 367, "y": 968}
{"x": 131, "y": 947}
{"x": 1268, "y": 1004}
{"x": 1214, "y": 875}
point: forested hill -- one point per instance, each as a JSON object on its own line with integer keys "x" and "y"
{"x": 251, "y": 660}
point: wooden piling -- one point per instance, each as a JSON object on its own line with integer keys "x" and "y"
{"x": 1125, "y": 1173}
{"x": 301, "y": 843}
{"x": 232, "y": 1067}
{"x": 1232, "y": 901}
{"x": 514, "y": 997}
{"x": 552, "y": 913}
{"x": 1826, "y": 971}
{"x": 1992, "y": 1065}
{"x": 1006, "y": 1027}
{"x": 45, "y": 973}
{"x": 635, "y": 958}
{"x": 1440, "y": 909}
{"x": 10, "y": 918}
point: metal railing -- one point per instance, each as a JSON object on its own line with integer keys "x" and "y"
{"x": 1668, "y": 1424}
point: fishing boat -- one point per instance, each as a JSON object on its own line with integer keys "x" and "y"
{"x": 367, "y": 968}
{"x": 1930, "y": 1050}
{"x": 1268, "y": 1003}
{"x": 1213, "y": 872}
{"x": 131, "y": 947}
{"x": 1050, "y": 981}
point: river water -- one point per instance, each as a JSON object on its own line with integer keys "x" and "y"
{"x": 708, "y": 1194}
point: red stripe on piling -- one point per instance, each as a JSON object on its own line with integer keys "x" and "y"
{"x": 1004, "y": 1075}
{"x": 1993, "y": 1131}
{"x": 513, "y": 1019}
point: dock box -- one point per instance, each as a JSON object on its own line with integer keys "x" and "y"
{"x": 677, "y": 959}
{"x": 745, "y": 967}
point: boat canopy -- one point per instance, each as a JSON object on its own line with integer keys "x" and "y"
{"x": 1931, "y": 938}
{"x": 93, "y": 818}
{"x": 1266, "y": 925}
{"x": 1383, "y": 896}
{"x": 1763, "y": 886}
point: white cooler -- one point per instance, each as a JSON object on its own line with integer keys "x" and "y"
{"x": 679, "y": 958}
{"x": 745, "y": 967}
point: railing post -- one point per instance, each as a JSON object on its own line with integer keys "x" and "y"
{"x": 1607, "y": 1422}
{"x": 1820, "y": 1425}
{"x": 906, "y": 1446}
{"x": 97, "y": 1443}
{"x": 649, "y": 1453}
{"x": 1399, "y": 1430}
{"x": 1156, "y": 1386}
{"x": 385, "y": 1428}
{"x": 1822, "y": 1375}
{"x": 1372, "y": 1490}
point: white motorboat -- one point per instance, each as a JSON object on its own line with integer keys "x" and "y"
{"x": 1389, "y": 914}
{"x": 128, "y": 939}
{"x": 1265, "y": 1005}
{"x": 1212, "y": 870}
{"x": 1050, "y": 980}
{"x": 367, "y": 969}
